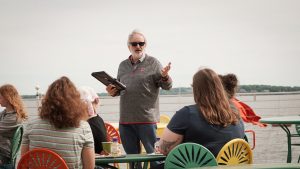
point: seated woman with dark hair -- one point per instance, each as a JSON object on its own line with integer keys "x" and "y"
{"x": 61, "y": 126}
{"x": 209, "y": 122}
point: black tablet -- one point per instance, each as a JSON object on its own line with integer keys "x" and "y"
{"x": 106, "y": 79}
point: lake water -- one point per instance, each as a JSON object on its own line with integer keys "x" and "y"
{"x": 271, "y": 142}
{"x": 264, "y": 104}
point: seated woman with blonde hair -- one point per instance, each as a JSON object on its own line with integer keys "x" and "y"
{"x": 90, "y": 97}
{"x": 61, "y": 126}
{"x": 209, "y": 122}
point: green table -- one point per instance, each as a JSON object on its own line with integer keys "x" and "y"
{"x": 131, "y": 158}
{"x": 256, "y": 166}
{"x": 283, "y": 121}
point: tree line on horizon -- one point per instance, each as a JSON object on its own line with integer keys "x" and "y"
{"x": 242, "y": 89}
{"x": 189, "y": 90}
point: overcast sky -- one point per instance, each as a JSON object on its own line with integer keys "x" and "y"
{"x": 42, "y": 40}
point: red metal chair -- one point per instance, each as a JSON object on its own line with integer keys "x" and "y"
{"x": 253, "y": 138}
{"x": 112, "y": 132}
{"x": 41, "y": 158}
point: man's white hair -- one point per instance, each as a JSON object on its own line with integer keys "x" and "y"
{"x": 136, "y": 31}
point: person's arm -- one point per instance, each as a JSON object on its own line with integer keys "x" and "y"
{"x": 166, "y": 80}
{"x": 168, "y": 141}
{"x": 24, "y": 149}
{"x": 88, "y": 158}
{"x": 165, "y": 70}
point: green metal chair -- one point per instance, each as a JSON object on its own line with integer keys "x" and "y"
{"x": 189, "y": 155}
{"x": 297, "y": 127}
{"x": 15, "y": 145}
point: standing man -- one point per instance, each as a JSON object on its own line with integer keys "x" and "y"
{"x": 142, "y": 75}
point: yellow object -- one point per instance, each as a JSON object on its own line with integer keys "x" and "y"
{"x": 236, "y": 151}
{"x": 160, "y": 128}
{"x": 164, "y": 118}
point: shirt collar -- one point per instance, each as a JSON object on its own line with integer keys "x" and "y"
{"x": 141, "y": 59}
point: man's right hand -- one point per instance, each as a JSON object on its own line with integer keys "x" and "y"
{"x": 112, "y": 90}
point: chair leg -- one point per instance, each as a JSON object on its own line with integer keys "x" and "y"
{"x": 116, "y": 165}
{"x": 299, "y": 159}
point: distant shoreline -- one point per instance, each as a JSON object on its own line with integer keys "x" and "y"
{"x": 189, "y": 94}
{"x": 188, "y": 90}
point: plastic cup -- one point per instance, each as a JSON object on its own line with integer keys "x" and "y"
{"x": 107, "y": 147}
{"x": 156, "y": 146}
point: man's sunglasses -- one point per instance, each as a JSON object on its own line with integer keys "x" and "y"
{"x": 137, "y": 43}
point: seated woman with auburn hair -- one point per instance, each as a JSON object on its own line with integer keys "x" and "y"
{"x": 11, "y": 117}
{"x": 61, "y": 126}
{"x": 209, "y": 122}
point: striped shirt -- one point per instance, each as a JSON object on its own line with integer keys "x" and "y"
{"x": 8, "y": 126}
{"x": 68, "y": 142}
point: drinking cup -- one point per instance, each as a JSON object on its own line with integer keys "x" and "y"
{"x": 107, "y": 147}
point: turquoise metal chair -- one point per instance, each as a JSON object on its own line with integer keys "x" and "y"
{"x": 14, "y": 148}
{"x": 297, "y": 127}
{"x": 15, "y": 145}
{"x": 189, "y": 155}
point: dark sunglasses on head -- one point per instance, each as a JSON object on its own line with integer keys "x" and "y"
{"x": 137, "y": 43}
